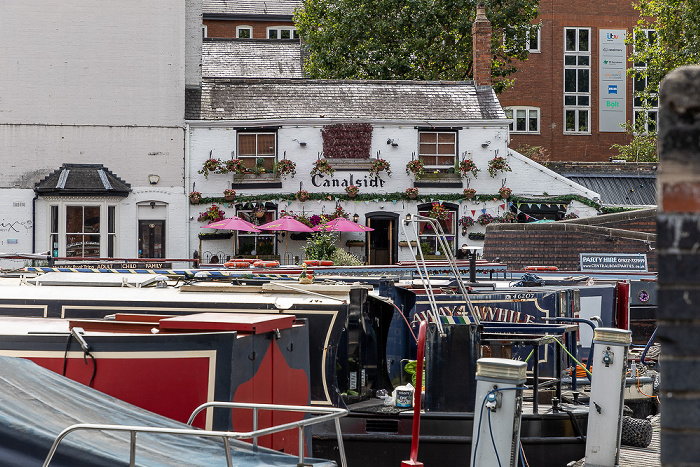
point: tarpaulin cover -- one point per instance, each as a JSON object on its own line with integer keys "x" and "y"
{"x": 37, "y": 404}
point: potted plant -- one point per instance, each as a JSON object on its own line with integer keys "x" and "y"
{"x": 485, "y": 219}
{"x": 322, "y": 166}
{"x": 352, "y": 191}
{"x": 498, "y": 164}
{"x": 469, "y": 193}
{"x": 415, "y": 167}
{"x": 286, "y": 167}
{"x": 229, "y": 194}
{"x": 412, "y": 193}
{"x": 210, "y": 165}
{"x": 234, "y": 166}
{"x": 466, "y": 167}
{"x": 302, "y": 195}
{"x": 439, "y": 212}
{"x": 213, "y": 214}
{"x": 571, "y": 215}
{"x": 259, "y": 210}
{"x": 195, "y": 197}
{"x": 379, "y": 165}
{"x": 504, "y": 192}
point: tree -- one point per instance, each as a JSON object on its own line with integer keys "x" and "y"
{"x": 410, "y": 39}
{"x": 667, "y": 36}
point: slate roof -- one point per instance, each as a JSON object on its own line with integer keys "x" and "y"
{"x": 250, "y": 7}
{"x": 83, "y": 180}
{"x": 620, "y": 190}
{"x": 260, "y": 99}
{"x": 251, "y": 58}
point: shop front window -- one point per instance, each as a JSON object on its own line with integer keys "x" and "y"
{"x": 429, "y": 238}
{"x": 256, "y": 244}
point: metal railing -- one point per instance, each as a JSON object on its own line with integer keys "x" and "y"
{"x": 326, "y": 414}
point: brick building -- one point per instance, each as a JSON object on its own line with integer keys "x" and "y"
{"x": 250, "y": 19}
{"x": 572, "y": 93}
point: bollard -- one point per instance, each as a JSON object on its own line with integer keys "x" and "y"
{"x": 499, "y": 403}
{"x": 607, "y": 394}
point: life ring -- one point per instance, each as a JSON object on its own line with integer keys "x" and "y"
{"x": 311, "y": 262}
{"x": 266, "y": 264}
{"x": 325, "y": 263}
{"x": 541, "y": 268}
{"x": 237, "y": 264}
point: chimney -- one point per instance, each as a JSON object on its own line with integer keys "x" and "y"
{"x": 481, "y": 45}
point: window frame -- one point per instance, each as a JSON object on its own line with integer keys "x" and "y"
{"x": 512, "y": 110}
{"x": 272, "y": 157}
{"x": 427, "y": 235}
{"x": 244, "y": 27}
{"x": 527, "y": 40}
{"x": 580, "y": 68}
{"x": 57, "y": 214}
{"x": 648, "y": 107}
{"x": 438, "y": 132}
{"x": 293, "y": 33}
{"x": 246, "y": 213}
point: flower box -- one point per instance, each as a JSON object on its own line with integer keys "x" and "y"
{"x": 355, "y": 243}
{"x": 404, "y": 243}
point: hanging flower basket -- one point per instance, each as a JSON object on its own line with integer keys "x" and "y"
{"x": 380, "y": 165}
{"x": 234, "y": 166}
{"x": 469, "y": 193}
{"x": 210, "y": 165}
{"x": 439, "y": 212}
{"x": 195, "y": 197}
{"x": 259, "y": 210}
{"x": 229, "y": 194}
{"x": 485, "y": 219}
{"x": 504, "y": 192}
{"x": 466, "y": 221}
{"x": 286, "y": 167}
{"x": 213, "y": 214}
{"x": 412, "y": 193}
{"x": 498, "y": 164}
{"x": 322, "y": 166}
{"x": 352, "y": 191}
{"x": 467, "y": 167}
{"x": 302, "y": 195}
{"x": 415, "y": 167}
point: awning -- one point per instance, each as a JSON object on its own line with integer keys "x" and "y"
{"x": 83, "y": 180}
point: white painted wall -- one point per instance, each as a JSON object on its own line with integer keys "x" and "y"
{"x": 527, "y": 178}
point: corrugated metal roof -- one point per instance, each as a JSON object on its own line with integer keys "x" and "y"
{"x": 251, "y": 58}
{"x": 618, "y": 189}
{"x": 251, "y": 7}
{"x": 253, "y": 99}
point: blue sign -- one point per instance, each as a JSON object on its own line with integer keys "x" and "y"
{"x": 612, "y": 88}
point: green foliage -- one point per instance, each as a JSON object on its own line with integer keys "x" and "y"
{"x": 341, "y": 257}
{"x": 642, "y": 147}
{"x": 414, "y": 39}
{"x": 320, "y": 246}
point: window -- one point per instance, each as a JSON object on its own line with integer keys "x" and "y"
{"x": 429, "y": 241}
{"x": 530, "y": 37}
{"x": 523, "y": 119}
{"x": 82, "y": 230}
{"x": 256, "y": 244}
{"x": 244, "y": 32}
{"x": 646, "y": 101}
{"x": 257, "y": 151}
{"x": 577, "y": 80}
{"x": 282, "y": 32}
{"x": 204, "y": 31}
{"x": 437, "y": 149}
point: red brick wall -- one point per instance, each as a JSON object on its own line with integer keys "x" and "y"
{"x": 540, "y": 80}
{"x": 559, "y": 244}
{"x": 227, "y": 29}
{"x": 481, "y": 43}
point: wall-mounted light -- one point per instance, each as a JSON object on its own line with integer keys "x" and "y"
{"x": 408, "y": 217}
{"x": 153, "y": 179}
{"x": 464, "y": 231}
{"x": 485, "y": 144}
{"x": 393, "y": 142}
{"x": 153, "y": 204}
{"x": 301, "y": 143}
{"x": 355, "y": 218}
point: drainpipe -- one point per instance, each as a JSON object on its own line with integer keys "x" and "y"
{"x": 187, "y": 187}
{"x": 36, "y": 195}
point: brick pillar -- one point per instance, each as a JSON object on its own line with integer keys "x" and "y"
{"x": 481, "y": 47}
{"x": 678, "y": 227}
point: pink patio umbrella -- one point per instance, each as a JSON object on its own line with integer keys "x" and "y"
{"x": 232, "y": 223}
{"x": 288, "y": 224}
{"x": 341, "y": 224}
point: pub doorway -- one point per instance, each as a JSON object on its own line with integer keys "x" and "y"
{"x": 383, "y": 240}
{"x": 151, "y": 239}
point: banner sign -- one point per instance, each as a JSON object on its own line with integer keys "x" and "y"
{"x": 613, "y": 262}
{"x": 118, "y": 265}
{"x": 612, "y": 90}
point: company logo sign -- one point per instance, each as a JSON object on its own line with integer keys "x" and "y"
{"x": 612, "y": 36}
{"x": 612, "y": 88}
{"x": 612, "y": 104}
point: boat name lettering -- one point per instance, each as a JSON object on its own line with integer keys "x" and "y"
{"x": 488, "y": 313}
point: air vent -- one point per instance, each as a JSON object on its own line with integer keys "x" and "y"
{"x": 382, "y": 426}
